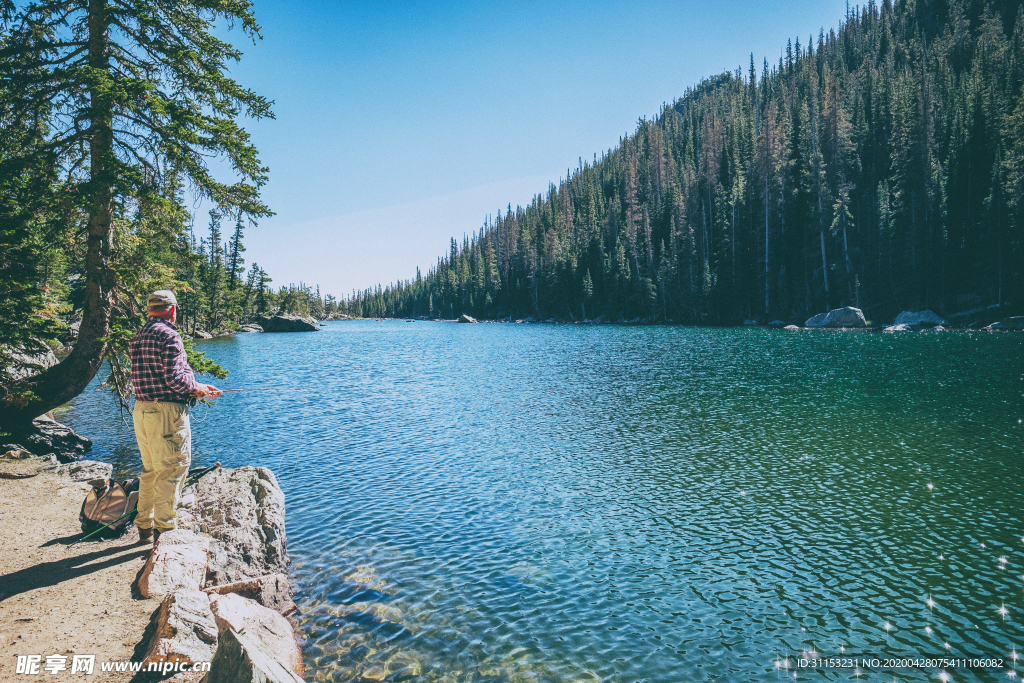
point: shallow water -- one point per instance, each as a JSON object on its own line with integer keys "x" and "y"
{"x": 576, "y": 503}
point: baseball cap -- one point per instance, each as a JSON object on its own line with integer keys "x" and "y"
{"x": 161, "y": 297}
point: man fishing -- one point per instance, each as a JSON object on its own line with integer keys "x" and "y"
{"x": 164, "y": 385}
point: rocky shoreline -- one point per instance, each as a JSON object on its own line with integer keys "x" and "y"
{"x": 217, "y": 586}
{"x": 846, "y": 318}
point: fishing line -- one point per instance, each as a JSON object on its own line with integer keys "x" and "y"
{"x": 302, "y": 415}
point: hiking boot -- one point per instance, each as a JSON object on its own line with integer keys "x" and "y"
{"x": 156, "y": 536}
{"x": 145, "y": 534}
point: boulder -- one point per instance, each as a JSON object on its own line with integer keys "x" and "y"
{"x": 1014, "y": 324}
{"x": 185, "y": 629}
{"x": 202, "y": 334}
{"x": 252, "y": 327}
{"x": 242, "y": 659}
{"x": 791, "y": 327}
{"x": 466, "y": 318}
{"x": 284, "y": 322}
{"x": 750, "y": 322}
{"x": 920, "y": 319}
{"x": 897, "y": 328}
{"x": 45, "y": 436}
{"x": 84, "y": 470}
{"x": 24, "y": 365}
{"x": 233, "y": 612}
{"x": 178, "y": 561}
{"x": 242, "y": 510}
{"x": 848, "y": 316}
{"x": 777, "y": 323}
{"x": 16, "y": 453}
{"x": 272, "y": 591}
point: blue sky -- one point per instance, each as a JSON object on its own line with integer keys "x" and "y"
{"x": 402, "y": 124}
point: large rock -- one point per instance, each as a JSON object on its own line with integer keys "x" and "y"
{"x": 45, "y": 436}
{"x": 466, "y": 318}
{"x": 242, "y": 659}
{"x": 919, "y": 319}
{"x": 233, "y": 612}
{"x": 847, "y": 316}
{"x": 898, "y": 328}
{"x": 185, "y": 629}
{"x": 243, "y": 511}
{"x": 272, "y": 591}
{"x": 1015, "y": 324}
{"x": 178, "y": 560}
{"x": 284, "y": 322}
{"x": 22, "y": 365}
{"x": 84, "y": 470}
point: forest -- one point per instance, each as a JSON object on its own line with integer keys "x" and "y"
{"x": 879, "y": 165}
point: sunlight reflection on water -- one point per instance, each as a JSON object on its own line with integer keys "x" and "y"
{"x": 575, "y": 503}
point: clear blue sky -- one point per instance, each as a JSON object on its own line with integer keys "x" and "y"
{"x": 402, "y": 124}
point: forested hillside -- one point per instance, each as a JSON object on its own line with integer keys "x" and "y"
{"x": 879, "y": 165}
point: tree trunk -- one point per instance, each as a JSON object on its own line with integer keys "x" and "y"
{"x": 766, "y": 276}
{"x": 824, "y": 268}
{"x": 67, "y": 379}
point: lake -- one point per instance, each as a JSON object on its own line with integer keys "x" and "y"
{"x": 520, "y": 503}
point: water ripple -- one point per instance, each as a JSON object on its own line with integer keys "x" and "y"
{"x": 565, "y": 503}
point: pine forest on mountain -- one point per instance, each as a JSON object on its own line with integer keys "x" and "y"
{"x": 880, "y": 165}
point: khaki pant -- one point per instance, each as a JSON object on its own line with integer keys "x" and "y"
{"x": 165, "y": 442}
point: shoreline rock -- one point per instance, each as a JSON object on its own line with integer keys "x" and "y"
{"x": 284, "y": 322}
{"x": 848, "y": 316}
{"x": 47, "y": 437}
{"x": 926, "y": 318}
{"x": 1014, "y": 324}
{"x": 221, "y": 573}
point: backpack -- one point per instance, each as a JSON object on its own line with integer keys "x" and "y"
{"x": 105, "y": 504}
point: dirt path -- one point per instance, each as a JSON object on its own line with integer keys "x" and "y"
{"x": 56, "y": 600}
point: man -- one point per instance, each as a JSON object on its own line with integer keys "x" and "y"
{"x": 164, "y": 386}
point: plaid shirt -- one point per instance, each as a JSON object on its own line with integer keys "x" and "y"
{"x": 160, "y": 369}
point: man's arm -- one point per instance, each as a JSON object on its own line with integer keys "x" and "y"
{"x": 177, "y": 373}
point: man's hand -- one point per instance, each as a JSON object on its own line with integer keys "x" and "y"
{"x": 207, "y": 391}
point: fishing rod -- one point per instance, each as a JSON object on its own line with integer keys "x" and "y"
{"x": 192, "y": 477}
{"x": 224, "y": 391}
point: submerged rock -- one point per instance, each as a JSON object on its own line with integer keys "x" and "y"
{"x": 243, "y": 511}
{"x": 848, "y": 316}
{"x": 920, "y": 319}
{"x": 284, "y": 322}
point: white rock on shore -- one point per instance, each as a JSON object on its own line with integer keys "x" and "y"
{"x": 185, "y": 629}
{"x": 179, "y": 560}
{"x": 257, "y": 622}
{"x": 242, "y": 510}
{"x": 848, "y": 316}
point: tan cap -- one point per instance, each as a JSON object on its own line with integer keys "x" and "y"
{"x": 160, "y": 298}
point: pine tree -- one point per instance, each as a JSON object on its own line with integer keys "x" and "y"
{"x": 142, "y": 92}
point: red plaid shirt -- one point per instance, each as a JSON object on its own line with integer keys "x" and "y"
{"x": 160, "y": 369}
